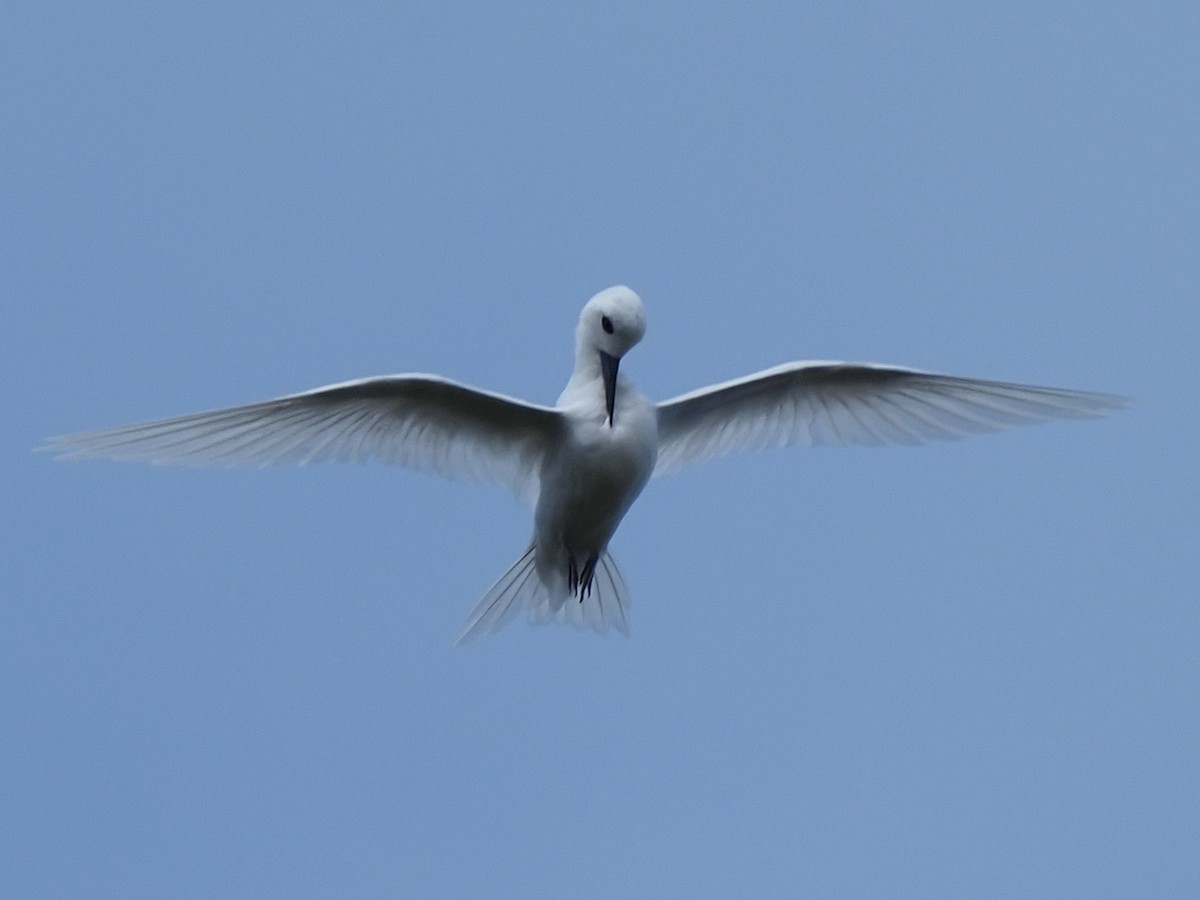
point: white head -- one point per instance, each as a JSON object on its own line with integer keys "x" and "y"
{"x": 610, "y": 326}
{"x": 612, "y": 322}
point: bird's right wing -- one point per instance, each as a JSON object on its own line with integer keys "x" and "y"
{"x": 852, "y": 403}
{"x": 422, "y": 422}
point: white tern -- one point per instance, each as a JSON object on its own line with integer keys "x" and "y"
{"x": 582, "y": 462}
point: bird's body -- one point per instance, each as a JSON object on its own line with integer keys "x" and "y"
{"x": 583, "y": 462}
{"x": 589, "y": 485}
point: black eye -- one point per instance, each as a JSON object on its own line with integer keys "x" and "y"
{"x": 606, "y": 324}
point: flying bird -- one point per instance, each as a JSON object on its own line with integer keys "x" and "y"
{"x": 582, "y": 462}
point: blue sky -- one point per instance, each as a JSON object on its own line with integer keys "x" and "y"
{"x": 958, "y": 670}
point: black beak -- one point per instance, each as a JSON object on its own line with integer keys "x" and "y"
{"x": 608, "y": 369}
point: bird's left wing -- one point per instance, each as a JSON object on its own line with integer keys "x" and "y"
{"x": 422, "y": 422}
{"x": 852, "y": 403}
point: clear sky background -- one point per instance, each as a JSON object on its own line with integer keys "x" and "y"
{"x": 962, "y": 670}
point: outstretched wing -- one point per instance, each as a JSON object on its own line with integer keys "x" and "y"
{"x": 852, "y": 403}
{"x": 419, "y": 421}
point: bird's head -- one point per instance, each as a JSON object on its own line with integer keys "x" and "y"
{"x": 610, "y": 326}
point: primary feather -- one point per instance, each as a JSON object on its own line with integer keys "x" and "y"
{"x": 813, "y": 403}
{"x": 422, "y": 422}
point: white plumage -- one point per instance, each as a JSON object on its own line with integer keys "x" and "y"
{"x": 583, "y": 462}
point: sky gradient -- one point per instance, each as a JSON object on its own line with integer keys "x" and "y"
{"x": 959, "y": 670}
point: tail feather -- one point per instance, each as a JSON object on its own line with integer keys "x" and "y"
{"x": 605, "y": 606}
{"x": 500, "y": 604}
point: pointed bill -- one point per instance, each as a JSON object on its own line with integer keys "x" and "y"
{"x": 608, "y": 369}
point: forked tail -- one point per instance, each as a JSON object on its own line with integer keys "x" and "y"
{"x": 605, "y": 605}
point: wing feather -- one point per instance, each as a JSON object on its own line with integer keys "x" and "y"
{"x": 419, "y": 421}
{"x": 838, "y": 403}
